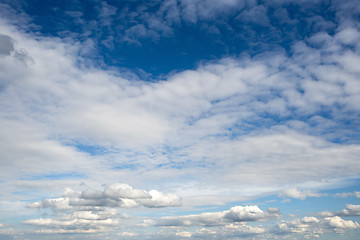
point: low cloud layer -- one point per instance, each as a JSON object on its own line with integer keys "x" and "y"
{"x": 235, "y": 214}
{"x": 117, "y": 195}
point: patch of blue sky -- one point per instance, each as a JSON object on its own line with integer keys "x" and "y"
{"x": 177, "y": 45}
{"x": 186, "y": 164}
{"x": 93, "y": 150}
{"x": 126, "y": 166}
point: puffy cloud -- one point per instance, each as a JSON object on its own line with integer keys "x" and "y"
{"x": 350, "y": 210}
{"x": 159, "y": 199}
{"x": 116, "y": 195}
{"x": 309, "y": 220}
{"x": 235, "y": 214}
{"x": 339, "y": 223}
{"x": 229, "y": 231}
{"x": 90, "y": 215}
{"x": 56, "y": 204}
{"x": 118, "y": 190}
{"x": 96, "y": 211}
{"x": 250, "y": 213}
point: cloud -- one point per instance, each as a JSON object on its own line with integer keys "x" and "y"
{"x": 72, "y": 225}
{"x": 295, "y": 193}
{"x": 116, "y": 191}
{"x": 309, "y": 220}
{"x": 308, "y": 226}
{"x": 235, "y": 114}
{"x": 235, "y": 214}
{"x": 312, "y": 227}
{"x": 93, "y": 211}
{"x": 116, "y": 195}
{"x": 339, "y": 223}
{"x": 350, "y": 210}
{"x": 6, "y": 45}
{"x": 159, "y": 199}
{"x": 281, "y": 118}
{"x": 233, "y": 230}
{"x": 348, "y": 194}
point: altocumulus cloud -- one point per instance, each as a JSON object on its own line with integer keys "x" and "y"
{"x": 233, "y": 128}
{"x": 90, "y": 104}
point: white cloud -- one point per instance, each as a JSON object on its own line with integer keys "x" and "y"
{"x": 249, "y": 213}
{"x": 116, "y": 195}
{"x": 72, "y": 225}
{"x": 348, "y": 194}
{"x": 118, "y": 190}
{"x": 350, "y": 210}
{"x": 127, "y": 234}
{"x": 247, "y": 118}
{"x": 309, "y": 220}
{"x": 56, "y": 204}
{"x": 159, "y": 199}
{"x": 184, "y": 234}
{"x": 93, "y": 211}
{"x": 235, "y": 214}
{"x": 339, "y": 223}
{"x": 86, "y": 105}
{"x": 298, "y": 194}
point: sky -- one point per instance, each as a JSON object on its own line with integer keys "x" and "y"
{"x": 179, "y": 119}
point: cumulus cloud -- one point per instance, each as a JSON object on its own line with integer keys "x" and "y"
{"x": 305, "y": 226}
{"x": 114, "y": 195}
{"x": 117, "y": 190}
{"x": 96, "y": 211}
{"x": 159, "y": 199}
{"x": 340, "y": 224}
{"x": 312, "y": 227}
{"x": 350, "y": 210}
{"x": 72, "y": 224}
{"x": 232, "y": 230}
{"x": 234, "y": 214}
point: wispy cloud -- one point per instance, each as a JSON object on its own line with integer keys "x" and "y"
{"x": 298, "y": 194}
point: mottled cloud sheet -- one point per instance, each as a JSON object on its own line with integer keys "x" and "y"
{"x": 232, "y": 119}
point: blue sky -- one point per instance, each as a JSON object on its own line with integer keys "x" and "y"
{"x": 179, "y": 119}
